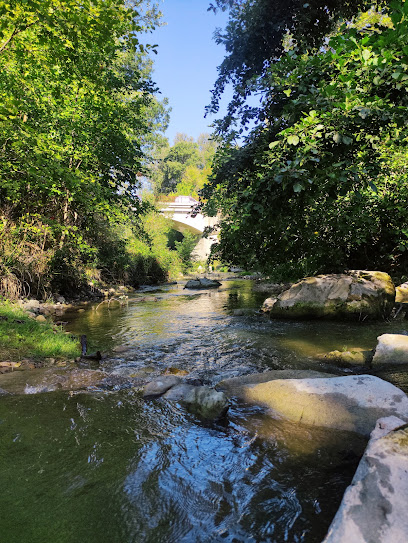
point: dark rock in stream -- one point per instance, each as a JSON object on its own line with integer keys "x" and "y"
{"x": 202, "y": 283}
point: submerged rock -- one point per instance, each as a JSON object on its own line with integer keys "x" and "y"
{"x": 352, "y": 403}
{"x": 202, "y": 283}
{"x": 355, "y": 357}
{"x": 203, "y": 401}
{"x": 175, "y": 371}
{"x": 50, "y": 379}
{"x": 274, "y": 289}
{"x": 391, "y": 349}
{"x": 374, "y": 505}
{"x": 358, "y": 295}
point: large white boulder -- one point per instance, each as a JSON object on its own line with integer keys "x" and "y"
{"x": 391, "y": 349}
{"x": 235, "y": 387}
{"x": 352, "y": 403}
{"x": 358, "y": 295}
{"x": 374, "y": 506}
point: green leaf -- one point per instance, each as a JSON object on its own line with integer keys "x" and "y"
{"x": 274, "y": 144}
{"x": 288, "y": 92}
{"x": 293, "y": 140}
{"x": 297, "y": 187}
{"x": 347, "y": 140}
{"x": 373, "y": 187}
{"x": 366, "y": 54}
{"x": 337, "y": 138}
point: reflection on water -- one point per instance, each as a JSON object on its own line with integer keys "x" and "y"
{"x": 199, "y": 332}
{"x": 109, "y": 467}
{"x": 115, "y": 469}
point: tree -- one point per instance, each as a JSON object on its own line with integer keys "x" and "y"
{"x": 77, "y": 110}
{"x": 183, "y": 168}
{"x": 254, "y": 40}
{"x": 321, "y": 184}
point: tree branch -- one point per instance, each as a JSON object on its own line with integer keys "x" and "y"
{"x": 14, "y": 34}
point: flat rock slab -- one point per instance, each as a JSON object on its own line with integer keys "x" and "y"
{"x": 159, "y": 386}
{"x": 374, "y": 506}
{"x": 352, "y": 403}
{"x": 235, "y": 387}
{"x": 391, "y": 349}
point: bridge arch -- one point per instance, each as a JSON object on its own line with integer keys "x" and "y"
{"x": 179, "y": 212}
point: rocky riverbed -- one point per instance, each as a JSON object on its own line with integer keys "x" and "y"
{"x": 214, "y": 344}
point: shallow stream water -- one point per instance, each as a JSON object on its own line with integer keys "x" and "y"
{"x": 102, "y": 465}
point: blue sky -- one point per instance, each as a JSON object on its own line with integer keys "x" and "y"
{"x": 186, "y": 63}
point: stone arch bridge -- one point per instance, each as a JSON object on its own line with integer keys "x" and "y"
{"x": 179, "y": 212}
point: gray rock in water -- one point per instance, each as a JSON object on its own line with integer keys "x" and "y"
{"x": 391, "y": 349}
{"x": 374, "y": 505}
{"x": 159, "y": 386}
{"x": 203, "y": 401}
{"x": 357, "y": 295}
{"x": 352, "y": 403}
{"x": 273, "y": 289}
{"x": 236, "y": 386}
{"x": 179, "y": 392}
{"x": 202, "y": 283}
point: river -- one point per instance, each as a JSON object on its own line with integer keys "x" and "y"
{"x": 103, "y": 465}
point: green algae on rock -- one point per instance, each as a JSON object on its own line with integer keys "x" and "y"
{"x": 356, "y": 295}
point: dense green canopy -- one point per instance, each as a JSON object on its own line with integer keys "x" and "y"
{"x": 255, "y": 37}
{"x": 77, "y": 110}
{"x": 321, "y": 183}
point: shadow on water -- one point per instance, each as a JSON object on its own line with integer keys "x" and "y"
{"x": 109, "y": 467}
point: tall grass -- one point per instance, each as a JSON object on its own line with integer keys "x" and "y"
{"x": 22, "y": 337}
